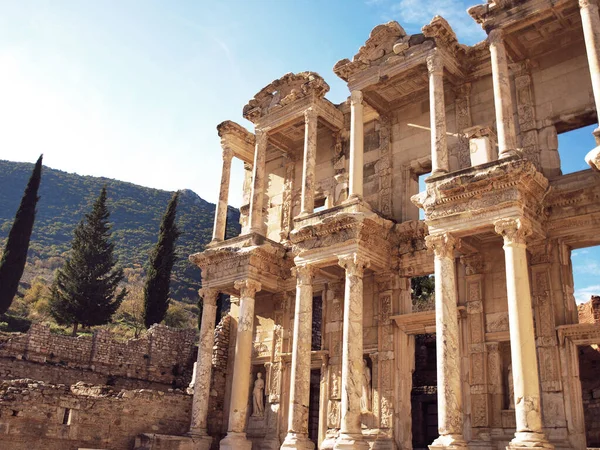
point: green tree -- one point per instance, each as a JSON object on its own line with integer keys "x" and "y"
{"x": 17, "y": 244}
{"x": 84, "y": 289}
{"x": 162, "y": 258}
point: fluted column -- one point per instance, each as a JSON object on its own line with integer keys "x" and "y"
{"x": 352, "y": 354}
{"x": 505, "y": 122}
{"x": 240, "y": 388}
{"x": 310, "y": 157}
{"x": 297, "y": 436}
{"x": 437, "y": 116}
{"x": 357, "y": 142}
{"x": 526, "y": 380}
{"x": 590, "y": 22}
{"x": 198, "y": 426}
{"x": 450, "y": 409}
{"x": 221, "y": 209}
{"x": 258, "y": 183}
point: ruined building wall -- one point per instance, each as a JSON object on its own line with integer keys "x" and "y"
{"x": 161, "y": 359}
{"x": 34, "y": 415}
{"x": 216, "y": 403}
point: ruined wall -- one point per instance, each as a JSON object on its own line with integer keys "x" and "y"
{"x": 590, "y": 312}
{"x": 161, "y": 359}
{"x": 35, "y": 415}
{"x": 216, "y": 403}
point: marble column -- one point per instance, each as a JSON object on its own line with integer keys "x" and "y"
{"x": 221, "y": 210}
{"x": 357, "y": 142}
{"x": 297, "y": 436}
{"x": 198, "y": 426}
{"x": 590, "y": 22}
{"x": 505, "y": 121}
{"x": 310, "y": 157}
{"x": 437, "y": 114}
{"x": 450, "y": 408}
{"x": 352, "y": 354}
{"x": 526, "y": 380}
{"x": 240, "y": 386}
{"x": 257, "y": 198}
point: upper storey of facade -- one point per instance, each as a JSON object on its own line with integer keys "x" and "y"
{"x": 424, "y": 104}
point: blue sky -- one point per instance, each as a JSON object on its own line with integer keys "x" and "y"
{"x": 134, "y": 89}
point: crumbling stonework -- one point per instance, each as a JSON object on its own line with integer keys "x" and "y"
{"x": 589, "y": 312}
{"x": 160, "y": 360}
{"x": 36, "y": 415}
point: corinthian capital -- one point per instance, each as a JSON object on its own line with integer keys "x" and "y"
{"x": 354, "y": 264}
{"x": 514, "y": 231}
{"x": 496, "y": 36}
{"x": 208, "y": 295}
{"x": 261, "y": 138}
{"x": 442, "y": 244}
{"x": 247, "y": 288}
{"x": 435, "y": 64}
{"x": 227, "y": 153}
{"x": 310, "y": 115}
{"x": 304, "y": 273}
{"x": 356, "y": 98}
{"x": 586, "y": 3}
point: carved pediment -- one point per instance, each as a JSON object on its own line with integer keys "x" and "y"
{"x": 283, "y": 91}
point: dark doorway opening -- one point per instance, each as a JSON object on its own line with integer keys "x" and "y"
{"x": 589, "y": 367}
{"x": 313, "y": 406}
{"x": 424, "y": 393}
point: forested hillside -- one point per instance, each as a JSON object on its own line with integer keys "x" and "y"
{"x": 135, "y": 214}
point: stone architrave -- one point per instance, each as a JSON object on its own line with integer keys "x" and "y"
{"x": 437, "y": 111}
{"x": 297, "y": 436}
{"x": 240, "y": 389}
{"x": 526, "y": 379}
{"x": 310, "y": 157}
{"x": 221, "y": 212}
{"x": 352, "y": 354}
{"x": 357, "y": 142}
{"x": 203, "y": 370}
{"x": 450, "y": 409}
{"x": 505, "y": 122}
{"x": 258, "y": 183}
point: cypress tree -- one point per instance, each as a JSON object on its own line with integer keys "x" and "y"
{"x": 15, "y": 252}
{"x": 162, "y": 258}
{"x": 84, "y": 289}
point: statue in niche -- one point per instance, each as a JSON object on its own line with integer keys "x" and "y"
{"x": 258, "y": 396}
{"x": 511, "y": 388}
{"x": 365, "y": 399}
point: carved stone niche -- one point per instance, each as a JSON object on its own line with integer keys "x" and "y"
{"x": 257, "y": 418}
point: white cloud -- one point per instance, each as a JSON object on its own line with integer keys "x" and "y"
{"x": 419, "y": 13}
{"x": 583, "y": 295}
{"x": 587, "y": 267}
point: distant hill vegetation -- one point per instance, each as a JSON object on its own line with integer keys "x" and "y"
{"x": 135, "y": 214}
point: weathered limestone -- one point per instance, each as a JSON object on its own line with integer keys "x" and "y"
{"x": 221, "y": 209}
{"x": 297, "y": 436}
{"x": 450, "y": 410}
{"x": 590, "y": 22}
{"x": 523, "y": 352}
{"x": 259, "y": 177}
{"x": 437, "y": 113}
{"x": 310, "y": 156}
{"x": 352, "y": 354}
{"x": 240, "y": 389}
{"x": 357, "y": 142}
{"x": 203, "y": 370}
{"x": 505, "y": 122}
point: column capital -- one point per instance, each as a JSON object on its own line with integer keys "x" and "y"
{"x": 304, "y": 273}
{"x": 435, "y": 65}
{"x": 209, "y": 295}
{"x": 227, "y": 153}
{"x": 442, "y": 244}
{"x": 356, "y": 98}
{"x": 247, "y": 288}
{"x": 513, "y": 230}
{"x": 354, "y": 264}
{"x": 261, "y": 136}
{"x": 587, "y": 3}
{"x": 496, "y": 36}
{"x": 310, "y": 115}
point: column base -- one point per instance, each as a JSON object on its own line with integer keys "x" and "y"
{"x": 350, "y": 442}
{"x": 449, "y": 441}
{"x": 510, "y": 153}
{"x": 524, "y": 441}
{"x": 438, "y": 172}
{"x": 235, "y": 441}
{"x": 593, "y": 159}
{"x": 297, "y": 441}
